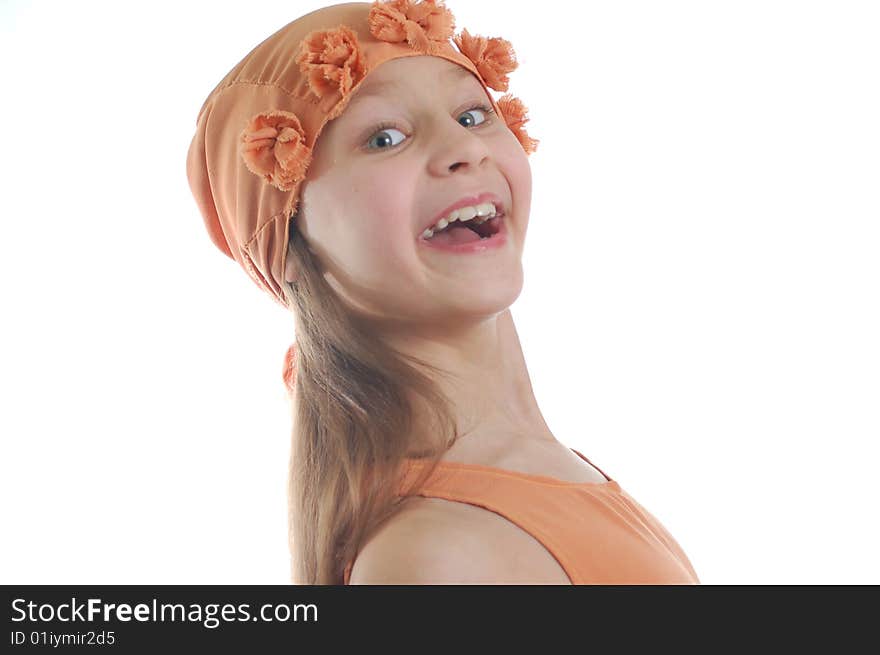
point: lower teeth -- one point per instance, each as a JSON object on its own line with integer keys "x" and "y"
{"x": 482, "y": 238}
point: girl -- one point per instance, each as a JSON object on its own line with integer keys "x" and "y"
{"x": 358, "y": 167}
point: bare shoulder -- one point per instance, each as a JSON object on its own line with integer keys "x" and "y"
{"x": 429, "y": 543}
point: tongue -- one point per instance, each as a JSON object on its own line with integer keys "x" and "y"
{"x": 456, "y": 233}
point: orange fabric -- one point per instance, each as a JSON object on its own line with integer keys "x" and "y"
{"x": 597, "y": 532}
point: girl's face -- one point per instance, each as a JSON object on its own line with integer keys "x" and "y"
{"x": 416, "y": 137}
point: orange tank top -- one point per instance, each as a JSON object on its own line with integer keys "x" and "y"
{"x": 597, "y": 532}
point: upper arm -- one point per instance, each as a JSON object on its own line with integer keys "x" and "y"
{"x": 413, "y": 549}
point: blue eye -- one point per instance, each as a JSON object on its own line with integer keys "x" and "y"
{"x": 485, "y": 110}
{"x": 381, "y": 132}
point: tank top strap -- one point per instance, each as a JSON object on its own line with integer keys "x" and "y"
{"x": 443, "y": 474}
{"x": 505, "y": 495}
{"x": 505, "y": 492}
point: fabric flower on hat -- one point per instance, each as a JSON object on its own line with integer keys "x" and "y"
{"x": 273, "y": 146}
{"x": 331, "y": 60}
{"x": 514, "y": 112}
{"x": 423, "y": 25}
{"x": 493, "y": 57}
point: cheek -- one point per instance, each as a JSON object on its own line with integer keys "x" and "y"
{"x": 377, "y": 209}
{"x": 382, "y": 198}
{"x": 514, "y": 164}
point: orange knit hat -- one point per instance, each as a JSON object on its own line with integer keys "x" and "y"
{"x": 256, "y": 130}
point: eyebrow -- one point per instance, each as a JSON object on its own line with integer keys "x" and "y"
{"x": 376, "y": 88}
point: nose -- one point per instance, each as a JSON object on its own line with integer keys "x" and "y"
{"x": 458, "y": 147}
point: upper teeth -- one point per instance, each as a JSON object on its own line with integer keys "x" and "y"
{"x": 480, "y": 213}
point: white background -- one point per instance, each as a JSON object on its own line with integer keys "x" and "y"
{"x": 700, "y": 312}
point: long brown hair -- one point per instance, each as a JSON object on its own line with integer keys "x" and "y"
{"x": 355, "y": 403}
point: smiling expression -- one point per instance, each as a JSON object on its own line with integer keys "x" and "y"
{"x": 418, "y": 135}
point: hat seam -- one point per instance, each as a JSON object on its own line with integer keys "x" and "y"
{"x": 262, "y": 227}
{"x": 255, "y": 273}
{"x": 219, "y": 91}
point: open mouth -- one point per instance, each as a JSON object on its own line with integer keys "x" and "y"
{"x": 459, "y": 232}
{"x": 491, "y": 236}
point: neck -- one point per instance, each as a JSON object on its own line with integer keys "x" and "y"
{"x": 492, "y": 395}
